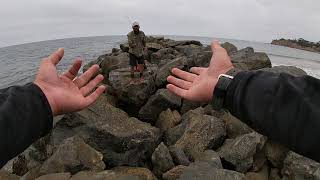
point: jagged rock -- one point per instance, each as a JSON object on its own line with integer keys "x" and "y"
{"x": 259, "y": 160}
{"x": 230, "y": 48}
{"x": 5, "y": 175}
{"x": 174, "y": 173}
{"x": 238, "y": 153}
{"x": 124, "y": 47}
{"x": 234, "y": 126}
{"x": 263, "y": 174}
{"x": 121, "y": 140}
{"x": 141, "y": 173}
{"x": 211, "y": 157}
{"x": 161, "y": 160}
{"x": 165, "y": 70}
{"x": 292, "y": 70}
{"x": 168, "y": 119}
{"x": 178, "y": 156}
{"x": 202, "y": 132}
{"x": 108, "y": 63}
{"x": 274, "y": 174}
{"x": 208, "y": 110}
{"x": 56, "y": 176}
{"x": 298, "y": 167}
{"x": 276, "y": 153}
{"x": 154, "y": 47}
{"x": 163, "y": 54}
{"x": 107, "y": 175}
{"x": 183, "y": 43}
{"x": 132, "y": 95}
{"x": 189, "y": 50}
{"x": 73, "y": 155}
{"x": 189, "y": 105}
{"x": 247, "y": 59}
{"x": 203, "y": 59}
{"x": 162, "y": 100}
{"x": 203, "y": 170}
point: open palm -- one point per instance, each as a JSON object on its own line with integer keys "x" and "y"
{"x": 67, "y": 92}
{"x": 199, "y": 84}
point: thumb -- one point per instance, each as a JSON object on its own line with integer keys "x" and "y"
{"x": 215, "y": 45}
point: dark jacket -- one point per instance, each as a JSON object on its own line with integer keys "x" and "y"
{"x": 25, "y": 116}
{"x": 282, "y": 107}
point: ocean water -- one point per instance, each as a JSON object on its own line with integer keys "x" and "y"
{"x": 19, "y": 63}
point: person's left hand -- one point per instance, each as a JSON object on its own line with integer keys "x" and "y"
{"x": 67, "y": 92}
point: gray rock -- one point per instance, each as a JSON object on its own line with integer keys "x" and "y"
{"x": 234, "y": 126}
{"x": 174, "y": 173}
{"x": 263, "y": 174}
{"x": 250, "y": 60}
{"x": 178, "y": 156}
{"x": 182, "y": 43}
{"x": 165, "y": 70}
{"x": 211, "y": 157}
{"x": 240, "y": 151}
{"x": 161, "y": 160}
{"x": 121, "y": 140}
{"x": 276, "y": 153}
{"x": 292, "y": 70}
{"x": 133, "y": 95}
{"x": 124, "y": 47}
{"x": 259, "y": 160}
{"x": 203, "y": 59}
{"x": 141, "y": 173}
{"x": 108, "y": 63}
{"x": 230, "y": 48}
{"x": 189, "y": 105}
{"x": 202, "y": 132}
{"x": 163, "y": 54}
{"x": 105, "y": 175}
{"x": 5, "y": 175}
{"x": 274, "y": 174}
{"x": 203, "y": 170}
{"x": 298, "y": 167}
{"x": 73, "y": 155}
{"x": 56, "y": 176}
{"x": 189, "y": 50}
{"x": 154, "y": 46}
{"x": 162, "y": 100}
{"x": 168, "y": 119}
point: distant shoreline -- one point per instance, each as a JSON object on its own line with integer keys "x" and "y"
{"x": 298, "y": 44}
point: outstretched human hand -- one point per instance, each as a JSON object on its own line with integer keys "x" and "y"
{"x": 199, "y": 85}
{"x": 67, "y": 92}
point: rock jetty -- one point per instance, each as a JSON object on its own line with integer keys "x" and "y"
{"x": 298, "y": 44}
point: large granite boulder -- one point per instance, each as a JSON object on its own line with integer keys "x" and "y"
{"x": 73, "y": 155}
{"x": 165, "y": 70}
{"x": 184, "y": 42}
{"x": 234, "y": 126}
{"x": 165, "y": 54}
{"x": 202, "y": 132}
{"x": 162, "y": 100}
{"x": 55, "y": 176}
{"x": 230, "y": 48}
{"x": 275, "y": 153}
{"x": 247, "y": 59}
{"x": 178, "y": 156}
{"x": 174, "y": 173}
{"x": 211, "y": 157}
{"x": 154, "y": 46}
{"x": 189, "y": 50}
{"x": 239, "y": 152}
{"x": 298, "y": 167}
{"x": 161, "y": 160}
{"x": 132, "y": 94}
{"x": 108, "y": 175}
{"x": 122, "y": 140}
{"x": 203, "y": 170}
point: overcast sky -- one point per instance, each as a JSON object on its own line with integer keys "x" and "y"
{"x": 257, "y": 20}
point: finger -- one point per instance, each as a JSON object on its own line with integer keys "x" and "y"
{"x": 85, "y": 90}
{"x": 94, "y": 96}
{"x": 197, "y": 70}
{"x": 73, "y": 71}
{"x": 56, "y": 56}
{"x": 178, "y": 82}
{"x": 85, "y": 77}
{"x": 178, "y": 91}
{"x": 215, "y": 45}
{"x": 184, "y": 75}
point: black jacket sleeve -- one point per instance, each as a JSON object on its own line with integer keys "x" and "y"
{"x": 280, "y": 106}
{"x": 25, "y": 116}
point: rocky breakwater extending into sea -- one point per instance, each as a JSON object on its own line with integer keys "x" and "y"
{"x": 142, "y": 131}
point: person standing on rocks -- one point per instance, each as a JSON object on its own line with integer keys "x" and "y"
{"x": 283, "y": 107}
{"x": 137, "y": 46}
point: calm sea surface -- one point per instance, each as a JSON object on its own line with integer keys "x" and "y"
{"x": 19, "y": 63}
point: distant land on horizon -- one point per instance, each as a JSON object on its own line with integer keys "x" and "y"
{"x": 298, "y": 44}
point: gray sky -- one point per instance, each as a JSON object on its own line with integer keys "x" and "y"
{"x": 257, "y": 20}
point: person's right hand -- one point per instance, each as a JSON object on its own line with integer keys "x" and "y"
{"x": 67, "y": 92}
{"x": 199, "y": 85}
